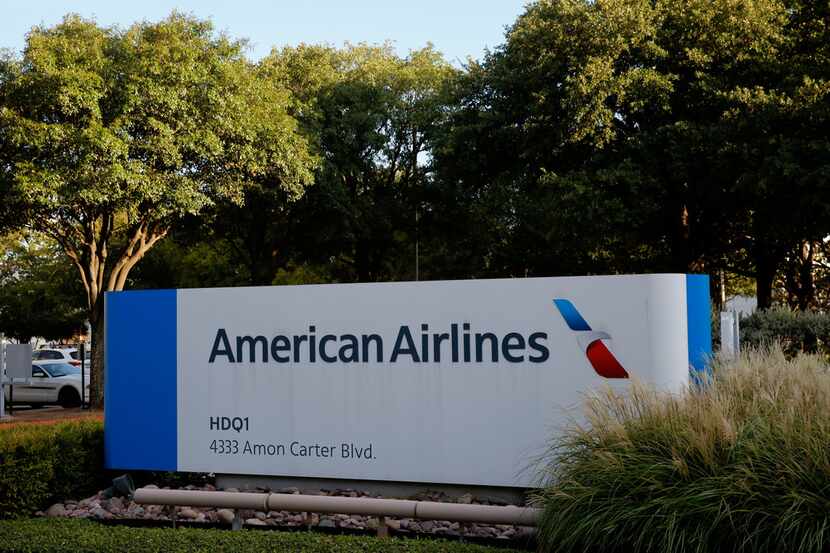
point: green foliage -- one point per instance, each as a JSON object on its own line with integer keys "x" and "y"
{"x": 38, "y": 296}
{"x": 151, "y": 123}
{"x": 796, "y": 331}
{"x": 603, "y": 136}
{"x": 109, "y": 136}
{"x": 372, "y": 115}
{"x": 189, "y": 261}
{"x": 40, "y": 464}
{"x": 53, "y": 536}
{"x": 741, "y": 465}
{"x": 621, "y": 136}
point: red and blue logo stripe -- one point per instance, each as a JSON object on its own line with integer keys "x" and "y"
{"x": 600, "y": 357}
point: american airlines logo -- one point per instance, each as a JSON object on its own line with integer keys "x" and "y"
{"x": 591, "y": 341}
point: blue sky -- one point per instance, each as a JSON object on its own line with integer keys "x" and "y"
{"x": 458, "y": 28}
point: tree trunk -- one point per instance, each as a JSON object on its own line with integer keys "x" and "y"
{"x": 806, "y": 290}
{"x": 362, "y": 261}
{"x": 90, "y": 258}
{"x": 96, "y": 371}
{"x": 719, "y": 286}
{"x": 680, "y": 240}
{"x": 765, "y": 269}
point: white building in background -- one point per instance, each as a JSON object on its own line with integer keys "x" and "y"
{"x": 743, "y": 305}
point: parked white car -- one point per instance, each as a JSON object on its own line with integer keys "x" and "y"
{"x": 67, "y": 355}
{"x": 52, "y": 383}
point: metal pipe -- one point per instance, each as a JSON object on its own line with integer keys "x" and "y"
{"x": 222, "y": 500}
{"x": 487, "y": 514}
{"x": 346, "y": 505}
{"x": 431, "y": 510}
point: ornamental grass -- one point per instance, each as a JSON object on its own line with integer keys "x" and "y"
{"x": 739, "y": 464}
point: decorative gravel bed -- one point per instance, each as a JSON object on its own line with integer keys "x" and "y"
{"x": 102, "y": 507}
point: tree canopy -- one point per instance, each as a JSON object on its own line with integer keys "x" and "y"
{"x": 602, "y": 136}
{"x": 111, "y": 136}
{"x": 38, "y": 296}
{"x": 675, "y": 135}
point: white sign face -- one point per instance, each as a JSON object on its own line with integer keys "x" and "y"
{"x": 18, "y": 361}
{"x": 457, "y": 382}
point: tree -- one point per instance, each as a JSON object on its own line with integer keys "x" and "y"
{"x": 668, "y": 135}
{"x": 785, "y": 175}
{"x": 109, "y": 137}
{"x": 38, "y": 297}
{"x": 372, "y": 115}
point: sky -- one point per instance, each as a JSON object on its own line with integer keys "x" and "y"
{"x": 458, "y": 28}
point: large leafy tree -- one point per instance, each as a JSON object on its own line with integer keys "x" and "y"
{"x": 785, "y": 156}
{"x": 372, "y": 115}
{"x": 108, "y": 137}
{"x": 38, "y": 296}
{"x": 660, "y": 135}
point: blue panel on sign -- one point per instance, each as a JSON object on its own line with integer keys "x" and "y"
{"x": 699, "y": 321}
{"x": 572, "y": 317}
{"x": 140, "y": 425}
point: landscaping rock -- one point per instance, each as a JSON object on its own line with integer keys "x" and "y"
{"x": 100, "y": 507}
{"x": 355, "y": 522}
{"x": 393, "y": 524}
{"x": 188, "y": 513}
{"x": 56, "y": 510}
{"x": 255, "y": 522}
{"x": 101, "y": 514}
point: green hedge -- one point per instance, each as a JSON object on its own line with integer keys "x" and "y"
{"x": 44, "y": 463}
{"x": 741, "y": 465}
{"x": 79, "y": 536}
{"x": 796, "y": 331}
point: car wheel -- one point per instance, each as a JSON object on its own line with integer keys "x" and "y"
{"x": 68, "y": 397}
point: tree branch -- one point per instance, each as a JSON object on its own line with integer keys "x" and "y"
{"x": 144, "y": 246}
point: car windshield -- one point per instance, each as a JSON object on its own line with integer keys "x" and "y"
{"x": 76, "y": 355}
{"x": 61, "y": 369}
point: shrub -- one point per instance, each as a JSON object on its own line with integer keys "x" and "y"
{"x": 796, "y": 331}
{"x": 58, "y": 536}
{"x": 740, "y": 465}
{"x": 43, "y": 463}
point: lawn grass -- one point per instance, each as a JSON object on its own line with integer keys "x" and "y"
{"x": 82, "y": 536}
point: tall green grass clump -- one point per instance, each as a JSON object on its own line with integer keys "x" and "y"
{"x": 741, "y": 464}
